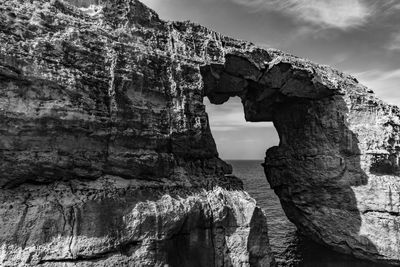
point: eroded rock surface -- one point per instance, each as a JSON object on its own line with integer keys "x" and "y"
{"x": 102, "y": 121}
{"x": 118, "y": 222}
{"x": 106, "y": 156}
{"x": 336, "y": 169}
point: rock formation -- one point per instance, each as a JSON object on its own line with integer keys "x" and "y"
{"x": 106, "y": 155}
{"x": 336, "y": 169}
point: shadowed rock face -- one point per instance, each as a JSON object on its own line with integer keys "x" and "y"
{"x": 106, "y": 156}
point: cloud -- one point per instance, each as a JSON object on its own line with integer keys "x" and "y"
{"x": 394, "y": 43}
{"x": 341, "y": 14}
{"x": 245, "y": 143}
{"x": 390, "y": 6}
{"x": 230, "y": 116}
{"x": 378, "y": 75}
{"x": 386, "y": 84}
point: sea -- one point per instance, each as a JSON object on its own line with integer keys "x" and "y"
{"x": 289, "y": 247}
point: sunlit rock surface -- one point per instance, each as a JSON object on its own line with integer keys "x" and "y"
{"x": 106, "y": 156}
{"x": 118, "y": 222}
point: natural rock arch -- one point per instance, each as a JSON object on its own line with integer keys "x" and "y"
{"x": 325, "y": 167}
{"x": 106, "y": 151}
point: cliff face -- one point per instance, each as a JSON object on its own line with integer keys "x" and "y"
{"x": 106, "y": 156}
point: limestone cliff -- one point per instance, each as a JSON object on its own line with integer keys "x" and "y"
{"x": 106, "y": 156}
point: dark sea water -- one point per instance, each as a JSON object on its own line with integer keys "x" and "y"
{"x": 289, "y": 247}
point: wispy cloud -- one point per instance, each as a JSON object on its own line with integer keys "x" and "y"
{"x": 378, "y": 75}
{"x": 390, "y": 6}
{"x": 394, "y": 43}
{"x": 230, "y": 116}
{"x": 386, "y": 84}
{"x": 341, "y": 14}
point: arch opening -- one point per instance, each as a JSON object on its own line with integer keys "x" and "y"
{"x": 235, "y": 138}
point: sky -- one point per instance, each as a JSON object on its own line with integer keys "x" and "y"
{"x": 360, "y": 37}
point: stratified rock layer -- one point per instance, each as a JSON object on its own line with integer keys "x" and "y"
{"x": 118, "y": 222}
{"x": 106, "y": 156}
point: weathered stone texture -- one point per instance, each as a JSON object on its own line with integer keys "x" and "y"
{"x": 102, "y": 121}
{"x": 336, "y": 169}
{"x": 118, "y": 222}
{"x": 106, "y": 156}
